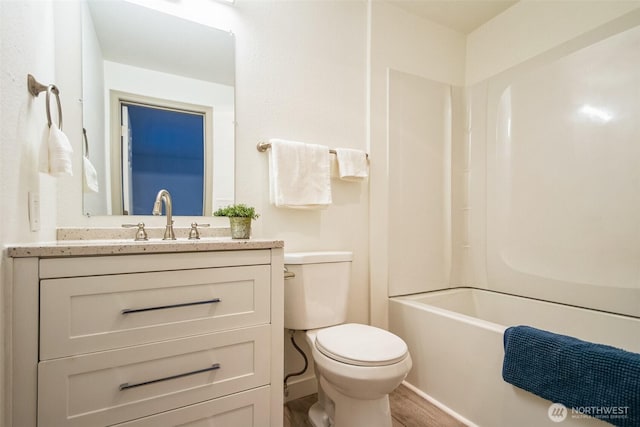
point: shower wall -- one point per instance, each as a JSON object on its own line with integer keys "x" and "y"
{"x": 554, "y": 183}
{"x": 419, "y": 121}
{"x": 415, "y": 67}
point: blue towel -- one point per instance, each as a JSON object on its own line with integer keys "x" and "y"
{"x": 592, "y": 378}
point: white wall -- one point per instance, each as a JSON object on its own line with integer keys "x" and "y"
{"x": 302, "y": 75}
{"x": 408, "y": 44}
{"x": 27, "y": 46}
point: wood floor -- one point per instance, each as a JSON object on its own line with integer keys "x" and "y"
{"x": 407, "y": 409}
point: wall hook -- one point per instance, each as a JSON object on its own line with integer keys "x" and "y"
{"x": 36, "y": 87}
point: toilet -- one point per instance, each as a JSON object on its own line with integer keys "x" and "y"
{"x": 356, "y": 365}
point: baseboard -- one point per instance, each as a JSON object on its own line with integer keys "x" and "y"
{"x": 301, "y": 388}
{"x": 439, "y": 404}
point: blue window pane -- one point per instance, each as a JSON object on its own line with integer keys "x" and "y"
{"x": 167, "y": 151}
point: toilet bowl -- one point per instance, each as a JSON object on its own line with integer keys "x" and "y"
{"x": 356, "y": 365}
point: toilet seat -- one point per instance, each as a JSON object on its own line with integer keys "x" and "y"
{"x": 361, "y": 345}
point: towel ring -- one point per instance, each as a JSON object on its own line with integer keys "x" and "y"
{"x": 35, "y": 88}
{"x": 56, "y": 92}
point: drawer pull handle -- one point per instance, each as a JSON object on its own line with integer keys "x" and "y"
{"x": 126, "y": 386}
{"x": 162, "y": 307}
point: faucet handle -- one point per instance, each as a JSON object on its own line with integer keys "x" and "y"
{"x": 194, "y": 234}
{"x": 141, "y": 233}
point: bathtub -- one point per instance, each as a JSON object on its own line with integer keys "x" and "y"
{"x": 455, "y": 340}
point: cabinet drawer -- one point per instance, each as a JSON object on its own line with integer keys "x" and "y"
{"x": 94, "y": 313}
{"x": 115, "y": 386}
{"x": 246, "y": 409}
{"x": 51, "y": 268}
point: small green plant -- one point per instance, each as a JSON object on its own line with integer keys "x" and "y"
{"x": 240, "y": 210}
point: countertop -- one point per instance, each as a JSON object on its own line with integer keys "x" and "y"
{"x": 62, "y": 248}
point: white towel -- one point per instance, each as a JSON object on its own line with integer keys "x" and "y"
{"x": 90, "y": 178}
{"x": 299, "y": 175}
{"x": 352, "y": 164}
{"x": 56, "y": 156}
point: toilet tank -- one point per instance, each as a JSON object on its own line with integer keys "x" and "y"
{"x": 316, "y": 297}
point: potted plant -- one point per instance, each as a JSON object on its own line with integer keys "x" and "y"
{"x": 240, "y": 217}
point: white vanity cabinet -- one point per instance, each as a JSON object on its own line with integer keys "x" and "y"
{"x": 184, "y": 338}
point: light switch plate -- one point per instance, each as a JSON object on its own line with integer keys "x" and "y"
{"x": 34, "y": 211}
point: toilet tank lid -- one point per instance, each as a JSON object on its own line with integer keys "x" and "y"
{"x": 317, "y": 257}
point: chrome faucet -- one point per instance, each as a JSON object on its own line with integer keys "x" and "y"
{"x": 157, "y": 210}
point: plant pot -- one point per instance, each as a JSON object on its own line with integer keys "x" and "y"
{"x": 240, "y": 227}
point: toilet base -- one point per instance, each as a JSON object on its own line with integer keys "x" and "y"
{"x": 340, "y": 410}
{"x": 317, "y": 416}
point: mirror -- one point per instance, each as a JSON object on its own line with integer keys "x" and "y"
{"x": 158, "y": 111}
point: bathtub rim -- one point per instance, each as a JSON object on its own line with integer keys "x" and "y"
{"x": 411, "y": 299}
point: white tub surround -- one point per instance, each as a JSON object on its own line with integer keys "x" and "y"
{"x": 172, "y": 332}
{"x": 553, "y": 193}
{"x": 457, "y": 337}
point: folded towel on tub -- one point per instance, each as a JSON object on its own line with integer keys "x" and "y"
{"x": 299, "y": 175}
{"x": 595, "y": 379}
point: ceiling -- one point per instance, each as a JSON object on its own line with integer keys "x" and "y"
{"x": 463, "y": 16}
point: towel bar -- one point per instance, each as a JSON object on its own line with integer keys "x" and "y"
{"x": 36, "y": 87}
{"x": 264, "y": 146}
